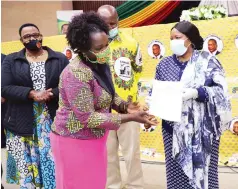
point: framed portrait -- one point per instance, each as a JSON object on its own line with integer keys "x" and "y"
{"x": 69, "y": 53}
{"x": 156, "y": 49}
{"x": 213, "y": 44}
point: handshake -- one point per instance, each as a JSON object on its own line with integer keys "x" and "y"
{"x": 41, "y": 96}
{"x": 140, "y": 114}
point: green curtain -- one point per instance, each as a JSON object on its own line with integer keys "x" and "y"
{"x": 131, "y": 7}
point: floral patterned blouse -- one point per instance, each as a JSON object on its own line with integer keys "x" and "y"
{"x": 84, "y": 106}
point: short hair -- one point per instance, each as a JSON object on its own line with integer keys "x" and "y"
{"x": 156, "y": 45}
{"x": 213, "y": 41}
{"x": 79, "y": 30}
{"x": 64, "y": 25}
{"x": 27, "y": 25}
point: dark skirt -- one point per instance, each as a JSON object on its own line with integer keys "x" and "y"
{"x": 176, "y": 178}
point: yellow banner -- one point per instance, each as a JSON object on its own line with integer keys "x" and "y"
{"x": 224, "y": 31}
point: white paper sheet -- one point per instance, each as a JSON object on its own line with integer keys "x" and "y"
{"x": 166, "y": 100}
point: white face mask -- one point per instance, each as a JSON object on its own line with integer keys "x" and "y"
{"x": 178, "y": 47}
{"x": 113, "y": 32}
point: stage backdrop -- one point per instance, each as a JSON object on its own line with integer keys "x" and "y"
{"x": 224, "y": 31}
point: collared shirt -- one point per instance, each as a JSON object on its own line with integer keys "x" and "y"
{"x": 214, "y": 53}
{"x": 126, "y": 66}
{"x": 157, "y": 57}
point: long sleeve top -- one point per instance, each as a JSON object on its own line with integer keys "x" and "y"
{"x": 84, "y": 105}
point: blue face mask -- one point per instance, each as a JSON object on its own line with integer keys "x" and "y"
{"x": 113, "y": 32}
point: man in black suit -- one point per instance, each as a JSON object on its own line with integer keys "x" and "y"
{"x": 156, "y": 51}
{"x": 3, "y": 111}
{"x": 212, "y": 47}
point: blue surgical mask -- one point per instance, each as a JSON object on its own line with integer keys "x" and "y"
{"x": 113, "y": 32}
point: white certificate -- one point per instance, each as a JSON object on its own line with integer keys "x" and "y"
{"x": 166, "y": 100}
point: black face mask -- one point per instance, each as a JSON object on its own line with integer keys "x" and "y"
{"x": 33, "y": 45}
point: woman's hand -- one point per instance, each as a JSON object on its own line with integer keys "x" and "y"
{"x": 144, "y": 117}
{"x": 41, "y": 96}
{"x": 3, "y": 100}
{"x": 189, "y": 93}
{"x": 47, "y": 95}
{"x": 135, "y": 107}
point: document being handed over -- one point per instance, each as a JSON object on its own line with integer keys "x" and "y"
{"x": 166, "y": 100}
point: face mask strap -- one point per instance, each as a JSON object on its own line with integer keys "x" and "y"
{"x": 88, "y": 59}
{"x": 189, "y": 43}
{"x": 116, "y": 28}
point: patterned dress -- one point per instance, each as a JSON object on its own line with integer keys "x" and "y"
{"x": 30, "y": 162}
{"x": 191, "y": 146}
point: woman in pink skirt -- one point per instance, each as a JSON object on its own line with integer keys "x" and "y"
{"x": 84, "y": 116}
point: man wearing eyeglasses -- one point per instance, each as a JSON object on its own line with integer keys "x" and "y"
{"x": 30, "y": 81}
